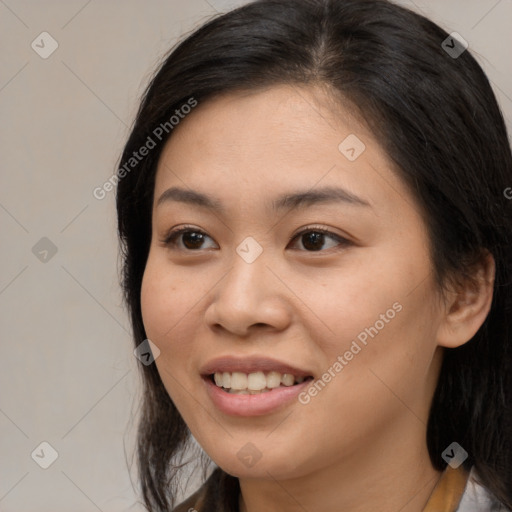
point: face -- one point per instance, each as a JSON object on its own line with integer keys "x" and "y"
{"x": 310, "y": 259}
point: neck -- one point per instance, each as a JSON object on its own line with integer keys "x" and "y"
{"x": 391, "y": 475}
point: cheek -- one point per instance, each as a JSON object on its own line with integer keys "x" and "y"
{"x": 379, "y": 319}
{"x": 384, "y": 353}
{"x": 156, "y": 303}
{"x": 166, "y": 298}
{"x": 168, "y": 316}
{"x": 167, "y": 313}
{"x": 348, "y": 304}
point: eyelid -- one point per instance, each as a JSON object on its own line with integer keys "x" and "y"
{"x": 317, "y": 228}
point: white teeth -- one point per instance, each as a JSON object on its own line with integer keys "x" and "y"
{"x": 287, "y": 379}
{"x": 254, "y": 383}
{"x": 219, "y": 380}
{"x": 273, "y": 380}
{"x": 226, "y": 380}
{"x": 238, "y": 380}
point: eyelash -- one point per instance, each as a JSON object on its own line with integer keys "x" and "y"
{"x": 170, "y": 239}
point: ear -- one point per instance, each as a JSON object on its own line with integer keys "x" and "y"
{"x": 466, "y": 309}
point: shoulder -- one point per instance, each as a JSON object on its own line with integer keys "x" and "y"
{"x": 477, "y": 498}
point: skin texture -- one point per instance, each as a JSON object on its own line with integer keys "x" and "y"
{"x": 360, "y": 443}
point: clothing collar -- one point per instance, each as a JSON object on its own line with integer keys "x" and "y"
{"x": 448, "y": 492}
{"x": 445, "y": 497}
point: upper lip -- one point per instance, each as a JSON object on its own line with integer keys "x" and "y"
{"x": 250, "y": 365}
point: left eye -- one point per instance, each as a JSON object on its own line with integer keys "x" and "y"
{"x": 312, "y": 239}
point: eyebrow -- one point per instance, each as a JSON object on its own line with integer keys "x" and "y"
{"x": 290, "y": 201}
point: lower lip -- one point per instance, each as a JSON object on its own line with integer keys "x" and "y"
{"x": 252, "y": 405}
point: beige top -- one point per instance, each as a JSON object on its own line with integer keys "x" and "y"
{"x": 445, "y": 497}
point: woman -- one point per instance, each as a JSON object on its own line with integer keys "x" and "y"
{"x": 316, "y": 240}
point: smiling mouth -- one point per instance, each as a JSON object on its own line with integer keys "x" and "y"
{"x": 255, "y": 383}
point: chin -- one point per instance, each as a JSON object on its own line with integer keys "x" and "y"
{"x": 278, "y": 466}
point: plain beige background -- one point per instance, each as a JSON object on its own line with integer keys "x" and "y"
{"x": 68, "y": 376}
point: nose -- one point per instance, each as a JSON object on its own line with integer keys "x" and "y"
{"x": 250, "y": 296}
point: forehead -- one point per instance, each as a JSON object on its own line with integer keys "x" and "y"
{"x": 250, "y": 145}
{"x": 280, "y": 118}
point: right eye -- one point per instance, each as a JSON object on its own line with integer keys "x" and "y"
{"x": 191, "y": 239}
